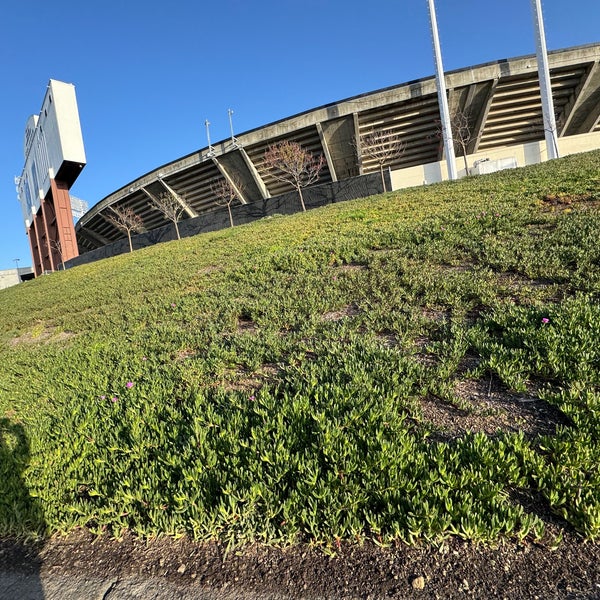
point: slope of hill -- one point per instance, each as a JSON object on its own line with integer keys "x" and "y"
{"x": 402, "y": 368}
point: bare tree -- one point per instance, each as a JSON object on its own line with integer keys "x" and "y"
{"x": 57, "y": 247}
{"x": 125, "y": 219}
{"x": 462, "y": 133}
{"x": 227, "y": 191}
{"x": 382, "y": 147}
{"x": 290, "y": 162}
{"x": 171, "y": 207}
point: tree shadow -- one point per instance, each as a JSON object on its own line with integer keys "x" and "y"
{"x": 21, "y": 519}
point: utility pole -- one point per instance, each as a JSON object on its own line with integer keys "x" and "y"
{"x": 211, "y": 150}
{"x": 234, "y": 142}
{"x": 442, "y": 100}
{"x": 545, "y": 86}
{"x": 16, "y": 261}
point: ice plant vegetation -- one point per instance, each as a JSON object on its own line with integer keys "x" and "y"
{"x": 349, "y": 373}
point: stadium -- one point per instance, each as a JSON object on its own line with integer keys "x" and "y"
{"x": 501, "y": 111}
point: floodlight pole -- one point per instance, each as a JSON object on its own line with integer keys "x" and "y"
{"x": 545, "y": 86}
{"x": 211, "y": 150}
{"x": 442, "y": 100}
{"x": 234, "y": 141}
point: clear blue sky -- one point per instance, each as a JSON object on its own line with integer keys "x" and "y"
{"x": 148, "y": 74}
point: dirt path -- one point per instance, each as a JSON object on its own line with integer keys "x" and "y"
{"x": 81, "y": 567}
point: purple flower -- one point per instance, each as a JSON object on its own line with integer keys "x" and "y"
{"x": 252, "y": 398}
{"x": 545, "y": 320}
{"x": 129, "y": 385}
{"x": 102, "y": 397}
{"x": 114, "y": 399}
{"x": 144, "y": 358}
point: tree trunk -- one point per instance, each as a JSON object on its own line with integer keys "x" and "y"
{"x": 230, "y": 215}
{"x": 382, "y": 179}
{"x": 301, "y": 198}
{"x": 466, "y": 163}
{"x": 129, "y": 238}
{"x": 177, "y": 230}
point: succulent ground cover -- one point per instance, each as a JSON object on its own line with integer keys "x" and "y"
{"x": 409, "y": 367}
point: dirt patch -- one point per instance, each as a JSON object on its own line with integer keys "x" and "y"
{"x": 246, "y": 326}
{"x": 388, "y": 339}
{"x": 566, "y": 201}
{"x": 438, "y": 315}
{"x": 42, "y": 335}
{"x": 452, "y": 570}
{"x": 185, "y": 354}
{"x": 489, "y": 407}
{"x": 337, "y": 315}
{"x": 520, "y": 288}
{"x": 249, "y": 381}
{"x": 47, "y": 337}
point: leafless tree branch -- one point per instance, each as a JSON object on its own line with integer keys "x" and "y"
{"x": 293, "y": 164}
{"x": 126, "y": 220}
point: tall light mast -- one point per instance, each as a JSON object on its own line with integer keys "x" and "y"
{"x": 442, "y": 100}
{"x": 544, "y": 75}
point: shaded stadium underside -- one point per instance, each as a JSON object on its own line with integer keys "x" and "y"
{"x": 500, "y": 99}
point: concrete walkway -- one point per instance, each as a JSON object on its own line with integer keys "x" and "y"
{"x": 20, "y": 586}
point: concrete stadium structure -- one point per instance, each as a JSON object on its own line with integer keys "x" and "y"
{"x": 501, "y": 101}
{"x": 10, "y": 277}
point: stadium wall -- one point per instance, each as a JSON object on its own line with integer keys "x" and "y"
{"x": 214, "y": 220}
{"x": 499, "y": 101}
{"x": 523, "y": 155}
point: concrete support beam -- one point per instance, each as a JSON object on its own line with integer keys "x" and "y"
{"x": 260, "y": 184}
{"x": 357, "y": 147}
{"x": 47, "y": 259}
{"x": 188, "y": 209}
{"x": 584, "y": 114}
{"x": 326, "y": 152}
{"x": 231, "y": 179}
{"x": 65, "y": 242}
{"x": 340, "y": 137}
{"x": 36, "y": 248}
{"x": 487, "y": 95}
{"x": 235, "y": 169}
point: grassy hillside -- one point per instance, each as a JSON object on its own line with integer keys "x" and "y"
{"x": 408, "y": 366}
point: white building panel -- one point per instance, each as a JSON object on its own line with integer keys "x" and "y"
{"x": 53, "y": 147}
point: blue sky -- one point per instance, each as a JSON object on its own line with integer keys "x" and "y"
{"x": 148, "y": 74}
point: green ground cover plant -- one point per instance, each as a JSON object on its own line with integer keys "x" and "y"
{"x": 313, "y": 377}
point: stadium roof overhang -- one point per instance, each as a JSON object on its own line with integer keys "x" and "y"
{"x": 500, "y": 100}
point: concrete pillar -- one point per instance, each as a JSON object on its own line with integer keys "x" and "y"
{"x": 65, "y": 228}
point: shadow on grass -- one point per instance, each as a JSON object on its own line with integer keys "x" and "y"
{"x": 21, "y": 519}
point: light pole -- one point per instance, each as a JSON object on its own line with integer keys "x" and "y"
{"x": 211, "y": 150}
{"x": 16, "y": 261}
{"x": 234, "y": 142}
{"x": 545, "y": 86}
{"x": 442, "y": 100}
